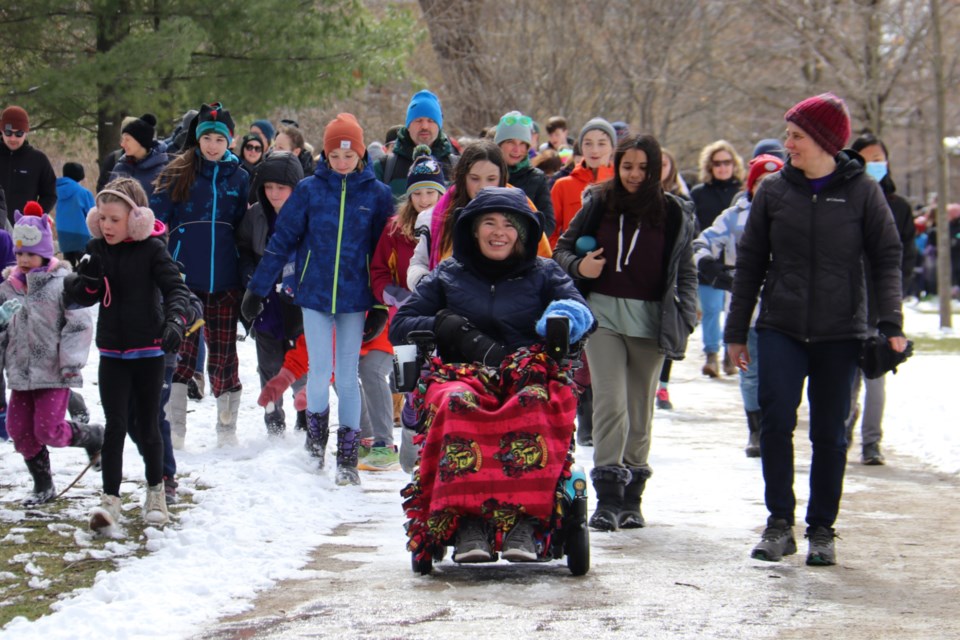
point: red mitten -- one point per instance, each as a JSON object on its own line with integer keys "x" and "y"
{"x": 276, "y": 386}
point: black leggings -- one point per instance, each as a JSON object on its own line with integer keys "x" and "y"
{"x": 119, "y": 379}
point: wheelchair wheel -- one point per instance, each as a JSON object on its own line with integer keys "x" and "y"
{"x": 577, "y": 548}
{"x": 423, "y": 567}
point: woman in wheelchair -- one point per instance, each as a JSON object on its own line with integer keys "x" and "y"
{"x": 498, "y": 420}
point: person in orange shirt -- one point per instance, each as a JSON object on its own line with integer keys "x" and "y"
{"x": 597, "y": 141}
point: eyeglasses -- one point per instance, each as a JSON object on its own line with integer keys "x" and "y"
{"x": 722, "y": 163}
{"x": 253, "y": 147}
{"x": 510, "y": 120}
{"x": 10, "y": 133}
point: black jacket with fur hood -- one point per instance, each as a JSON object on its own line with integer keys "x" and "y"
{"x": 805, "y": 250}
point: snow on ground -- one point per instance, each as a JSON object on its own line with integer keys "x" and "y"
{"x": 261, "y": 507}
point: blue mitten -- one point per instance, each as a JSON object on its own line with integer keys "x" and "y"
{"x": 581, "y": 319}
{"x": 8, "y": 309}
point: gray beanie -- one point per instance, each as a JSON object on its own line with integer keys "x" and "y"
{"x": 602, "y": 125}
{"x": 513, "y": 126}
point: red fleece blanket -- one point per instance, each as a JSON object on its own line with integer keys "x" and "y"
{"x": 494, "y": 446}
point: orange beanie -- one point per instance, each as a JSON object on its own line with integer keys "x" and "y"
{"x": 343, "y": 132}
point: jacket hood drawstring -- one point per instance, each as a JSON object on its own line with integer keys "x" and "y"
{"x": 633, "y": 244}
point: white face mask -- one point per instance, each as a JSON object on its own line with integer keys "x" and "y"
{"x": 877, "y": 170}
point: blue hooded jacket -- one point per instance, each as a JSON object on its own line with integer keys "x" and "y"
{"x": 73, "y": 202}
{"x": 202, "y": 228}
{"x": 145, "y": 171}
{"x": 333, "y": 223}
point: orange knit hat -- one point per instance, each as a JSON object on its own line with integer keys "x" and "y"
{"x": 343, "y": 132}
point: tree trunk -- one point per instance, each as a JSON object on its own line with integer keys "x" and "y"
{"x": 944, "y": 269}
{"x": 111, "y": 29}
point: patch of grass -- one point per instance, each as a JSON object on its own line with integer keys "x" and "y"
{"x": 936, "y": 346}
{"x": 48, "y": 552}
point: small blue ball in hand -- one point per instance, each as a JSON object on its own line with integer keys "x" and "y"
{"x": 584, "y": 245}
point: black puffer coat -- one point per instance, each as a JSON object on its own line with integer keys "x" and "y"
{"x": 805, "y": 250}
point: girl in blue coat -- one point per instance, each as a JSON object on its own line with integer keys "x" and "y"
{"x": 202, "y": 196}
{"x": 332, "y": 223}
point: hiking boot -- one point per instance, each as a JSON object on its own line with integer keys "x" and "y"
{"x": 472, "y": 543}
{"x": 318, "y": 432}
{"x": 195, "y": 387}
{"x": 728, "y": 367}
{"x": 871, "y": 455}
{"x": 711, "y": 367}
{"x": 107, "y": 514}
{"x": 43, "y": 489}
{"x": 822, "y": 552}
{"x": 380, "y": 458}
{"x": 663, "y": 399}
{"x": 348, "y": 444}
{"x": 155, "y": 506}
{"x": 777, "y": 541}
{"x": 520, "y": 545}
{"x": 170, "y": 491}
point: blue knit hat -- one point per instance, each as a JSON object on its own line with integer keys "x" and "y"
{"x": 266, "y": 128}
{"x": 214, "y": 118}
{"x": 426, "y": 172}
{"x": 424, "y": 105}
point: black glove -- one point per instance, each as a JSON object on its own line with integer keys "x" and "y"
{"x": 251, "y": 306}
{"x": 374, "y": 324}
{"x": 173, "y": 332}
{"x": 460, "y": 341}
{"x": 715, "y": 273}
{"x": 877, "y": 356}
{"x": 90, "y": 270}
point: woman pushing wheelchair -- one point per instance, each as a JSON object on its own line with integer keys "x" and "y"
{"x": 498, "y": 413}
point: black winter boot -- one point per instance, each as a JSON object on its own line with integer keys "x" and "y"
{"x": 631, "y": 517}
{"x": 609, "y": 483}
{"x": 318, "y": 432}
{"x": 753, "y": 443}
{"x": 43, "y": 489}
{"x": 275, "y": 422}
{"x": 90, "y": 437}
{"x": 585, "y": 418}
{"x": 77, "y": 408}
{"x": 348, "y": 448}
{"x": 301, "y": 424}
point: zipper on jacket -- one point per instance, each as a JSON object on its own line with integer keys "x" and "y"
{"x": 336, "y": 261}
{"x": 810, "y": 275}
{"x": 213, "y": 224}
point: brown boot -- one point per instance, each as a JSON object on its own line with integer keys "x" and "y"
{"x": 712, "y": 366}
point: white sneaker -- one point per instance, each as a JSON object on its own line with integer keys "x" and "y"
{"x": 155, "y": 506}
{"x": 107, "y": 514}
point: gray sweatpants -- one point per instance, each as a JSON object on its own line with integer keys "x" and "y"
{"x": 624, "y": 374}
{"x": 874, "y": 400}
{"x": 376, "y": 400}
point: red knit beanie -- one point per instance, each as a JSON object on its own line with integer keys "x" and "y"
{"x": 16, "y": 118}
{"x": 343, "y": 132}
{"x": 762, "y": 165}
{"x": 824, "y": 118}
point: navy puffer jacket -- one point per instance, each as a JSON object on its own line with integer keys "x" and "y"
{"x": 505, "y": 308}
{"x": 202, "y": 229}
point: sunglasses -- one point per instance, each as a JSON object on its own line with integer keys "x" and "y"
{"x": 10, "y": 133}
{"x": 509, "y": 121}
{"x": 723, "y": 163}
{"x": 253, "y": 147}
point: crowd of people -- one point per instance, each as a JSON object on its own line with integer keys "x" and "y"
{"x": 330, "y": 257}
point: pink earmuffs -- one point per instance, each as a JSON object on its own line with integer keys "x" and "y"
{"x": 139, "y": 225}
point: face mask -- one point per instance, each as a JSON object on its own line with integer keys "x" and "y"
{"x": 877, "y": 170}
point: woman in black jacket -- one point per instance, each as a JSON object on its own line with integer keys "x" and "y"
{"x": 490, "y": 299}
{"x": 809, "y": 227}
{"x": 643, "y": 291}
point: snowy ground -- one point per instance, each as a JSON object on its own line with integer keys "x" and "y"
{"x": 261, "y": 508}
